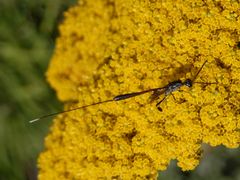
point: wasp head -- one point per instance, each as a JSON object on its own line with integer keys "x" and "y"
{"x": 188, "y": 83}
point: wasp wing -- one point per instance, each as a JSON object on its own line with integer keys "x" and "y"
{"x": 130, "y": 95}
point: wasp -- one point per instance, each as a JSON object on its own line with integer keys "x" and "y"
{"x": 156, "y": 93}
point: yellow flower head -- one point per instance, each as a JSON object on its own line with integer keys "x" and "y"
{"x": 112, "y": 47}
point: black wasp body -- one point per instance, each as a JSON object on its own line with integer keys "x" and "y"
{"x": 156, "y": 93}
{"x": 175, "y": 85}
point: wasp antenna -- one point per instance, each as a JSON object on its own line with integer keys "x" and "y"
{"x": 206, "y": 83}
{"x": 195, "y": 77}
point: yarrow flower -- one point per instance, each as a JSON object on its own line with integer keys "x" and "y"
{"x": 112, "y": 47}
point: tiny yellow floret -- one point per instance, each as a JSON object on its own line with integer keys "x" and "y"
{"x": 112, "y": 47}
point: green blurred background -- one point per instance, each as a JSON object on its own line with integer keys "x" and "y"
{"x": 28, "y": 29}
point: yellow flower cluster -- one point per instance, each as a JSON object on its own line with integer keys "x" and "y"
{"x": 112, "y": 47}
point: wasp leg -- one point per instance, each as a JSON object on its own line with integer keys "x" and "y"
{"x": 173, "y": 97}
{"x": 179, "y": 102}
{"x": 157, "y": 105}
